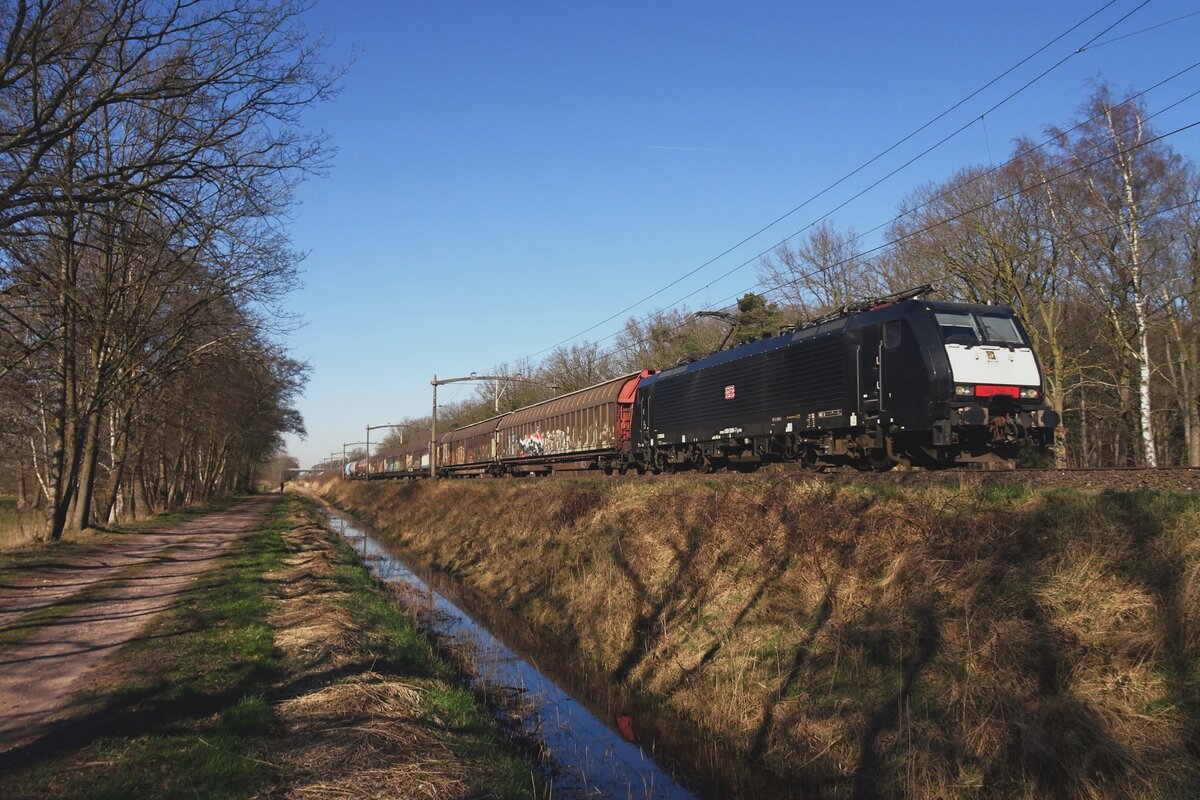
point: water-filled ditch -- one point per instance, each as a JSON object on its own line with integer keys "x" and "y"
{"x": 589, "y": 757}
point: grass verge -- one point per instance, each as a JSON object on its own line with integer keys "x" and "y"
{"x": 213, "y": 701}
{"x": 180, "y": 712}
{"x": 388, "y": 670}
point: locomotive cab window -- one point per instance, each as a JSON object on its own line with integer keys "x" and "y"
{"x": 1000, "y": 330}
{"x": 891, "y": 334}
{"x": 959, "y": 328}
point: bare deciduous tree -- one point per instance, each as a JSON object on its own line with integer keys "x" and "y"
{"x": 150, "y": 151}
{"x": 823, "y": 271}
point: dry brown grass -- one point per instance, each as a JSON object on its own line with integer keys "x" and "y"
{"x": 945, "y": 641}
{"x": 356, "y": 733}
{"x": 365, "y": 737}
{"x": 311, "y": 627}
{"x": 19, "y": 527}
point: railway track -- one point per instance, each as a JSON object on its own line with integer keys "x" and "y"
{"x": 1173, "y": 479}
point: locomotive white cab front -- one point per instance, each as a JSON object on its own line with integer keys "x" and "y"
{"x": 988, "y": 356}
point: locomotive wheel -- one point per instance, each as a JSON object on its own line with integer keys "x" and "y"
{"x": 879, "y": 460}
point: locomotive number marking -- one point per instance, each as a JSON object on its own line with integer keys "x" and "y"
{"x": 730, "y": 391}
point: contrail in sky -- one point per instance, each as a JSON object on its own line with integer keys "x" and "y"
{"x": 699, "y": 149}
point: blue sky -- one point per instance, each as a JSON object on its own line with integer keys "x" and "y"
{"x": 509, "y": 174}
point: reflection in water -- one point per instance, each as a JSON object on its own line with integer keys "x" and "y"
{"x": 590, "y": 758}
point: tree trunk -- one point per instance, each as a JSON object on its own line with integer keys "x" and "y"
{"x": 141, "y": 503}
{"x": 1189, "y": 396}
{"x": 1145, "y": 422}
{"x": 81, "y": 512}
{"x": 1084, "y": 457}
{"x": 1058, "y": 401}
{"x": 120, "y": 447}
{"x": 1133, "y": 240}
{"x": 64, "y": 459}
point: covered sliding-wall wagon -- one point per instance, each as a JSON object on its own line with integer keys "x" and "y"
{"x": 470, "y": 450}
{"x": 593, "y": 424}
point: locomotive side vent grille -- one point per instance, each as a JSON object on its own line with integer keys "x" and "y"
{"x": 807, "y": 376}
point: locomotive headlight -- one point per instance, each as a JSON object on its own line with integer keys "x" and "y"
{"x": 964, "y": 391}
{"x": 1029, "y": 394}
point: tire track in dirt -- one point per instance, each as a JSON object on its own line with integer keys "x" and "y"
{"x": 39, "y": 672}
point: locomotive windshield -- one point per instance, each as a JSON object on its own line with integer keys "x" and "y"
{"x": 965, "y": 328}
{"x": 1000, "y": 329}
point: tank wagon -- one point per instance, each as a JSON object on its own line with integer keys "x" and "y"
{"x": 408, "y": 461}
{"x": 896, "y": 380}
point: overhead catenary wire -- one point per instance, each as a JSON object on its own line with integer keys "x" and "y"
{"x": 952, "y": 189}
{"x": 994, "y": 169}
{"x": 1146, "y": 30}
{"x": 881, "y": 154}
{"x": 866, "y": 255}
{"x": 1027, "y": 252}
{"x": 923, "y": 153}
{"x": 994, "y": 201}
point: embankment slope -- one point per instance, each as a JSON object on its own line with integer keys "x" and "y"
{"x": 856, "y": 640}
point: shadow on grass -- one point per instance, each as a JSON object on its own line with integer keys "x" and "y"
{"x": 192, "y": 713}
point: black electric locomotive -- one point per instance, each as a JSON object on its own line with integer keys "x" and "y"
{"x": 897, "y": 380}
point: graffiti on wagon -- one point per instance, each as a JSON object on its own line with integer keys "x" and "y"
{"x": 547, "y": 443}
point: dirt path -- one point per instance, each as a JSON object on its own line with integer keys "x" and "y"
{"x": 125, "y": 585}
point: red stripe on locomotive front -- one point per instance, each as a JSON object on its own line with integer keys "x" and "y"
{"x": 988, "y": 390}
